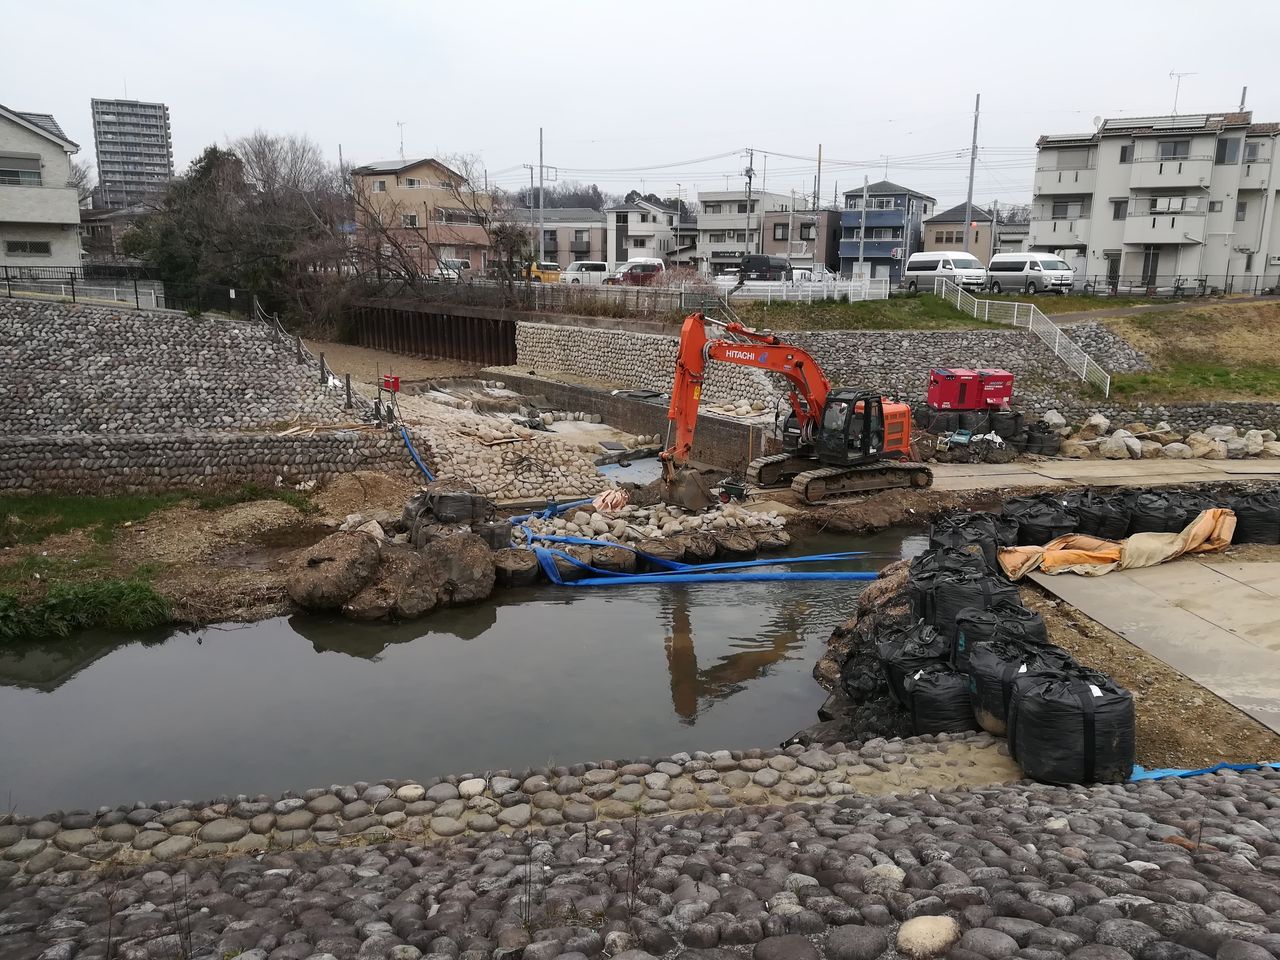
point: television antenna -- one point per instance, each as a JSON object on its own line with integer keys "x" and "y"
{"x": 1177, "y": 77}
{"x": 400, "y": 124}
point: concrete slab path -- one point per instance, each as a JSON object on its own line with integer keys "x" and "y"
{"x": 1099, "y": 473}
{"x": 1216, "y": 622}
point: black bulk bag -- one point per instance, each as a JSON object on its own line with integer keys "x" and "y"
{"x": 941, "y": 421}
{"x": 1257, "y": 518}
{"x": 986, "y": 530}
{"x": 1043, "y": 522}
{"x": 1005, "y": 621}
{"x": 1072, "y": 726}
{"x": 1102, "y": 516}
{"x": 994, "y": 665}
{"x": 904, "y": 651}
{"x": 923, "y": 573}
{"x": 957, "y": 591}
{"x": 938, "y": 698}
{"x": 1156, "y": 513}
{"x": 977, "y": 421}
{"x": 1006, "y": 424}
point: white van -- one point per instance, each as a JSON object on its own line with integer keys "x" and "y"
{"x": 1029, "y": 273}
{"x": 585, "y": 271}
{"x": 962, "y": 269}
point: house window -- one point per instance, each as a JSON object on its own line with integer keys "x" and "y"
{"x": 1252, "y": 149}
{"x": 937, "y": 237}
{"x": 1215, "y": 206}
{"x": 1066, "y": 209}
{"x": 379, "y": 186}
{"x": 754, "y": 204}
{"x": 20, "y": 171}
{"x": 808, "y": 231}
{"x": 620, "y": 219}
{"x": 1118, "y": 209}
{"x": 411, "y": 183}
{"x": 1126, "y": 153}
{"x": 549, "y": 238}
{"x": 408, "y": 219}
{"x": 28, "y": 248}
{"x": 580, "y": 236}
{"x": 1228, "y": 151}
{"x": 715, "y": 238}
{"x": 644, "y": 218}
{"x": 780, "y": 231}
{"x": 1077, "y": 159}
{"x": 742, "y": 208}
{"x": 711, "y": 208}
{"x": 639, "y": 242}
{"x": 1248, "y": 263}
{"x": 1174, "y": 149}
{"x": 1242, "y": 207}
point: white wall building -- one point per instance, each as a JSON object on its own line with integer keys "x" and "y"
{"x": 640, "y": 229}
{"x": 729, "y": 225}
{"x": 39, "y": 209}
{"x": 1157, "y": 201}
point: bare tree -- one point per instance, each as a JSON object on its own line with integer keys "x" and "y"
{"x": 83, "y": 179}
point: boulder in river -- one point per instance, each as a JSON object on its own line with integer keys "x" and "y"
{"x": 402, "y": 587}
{"x": 328, "y": 574}
{"x": 462, "y": 568}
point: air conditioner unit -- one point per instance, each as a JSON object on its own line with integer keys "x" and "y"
{"x": 1274, "y": 260}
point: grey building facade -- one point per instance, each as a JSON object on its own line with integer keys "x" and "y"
{"x": 135, "y": 150}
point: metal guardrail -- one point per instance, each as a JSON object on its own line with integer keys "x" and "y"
{"x": 127, "y": 294}
{"x": 784, "y": 292}
{"x": 326, "y": 375}
{"x": 1028, "y": 315}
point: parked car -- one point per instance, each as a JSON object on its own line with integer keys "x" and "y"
{"x": 452, "y": 268}
{"x": 542, "y": 271}
{"x": 758, "y": 266}
{"x": 1029, "y": 272}
{"x": 585, "y": 271}
{"x": 636, "y": 273}
{"x": 962, "y": 269}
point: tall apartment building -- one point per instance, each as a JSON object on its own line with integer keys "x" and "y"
{"x": 135, "y": 150}
{"x": 1162, "y": 201}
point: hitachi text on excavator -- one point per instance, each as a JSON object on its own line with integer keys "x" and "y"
{"x": 834, "y": 441}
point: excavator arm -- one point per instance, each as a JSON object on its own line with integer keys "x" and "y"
{"x": 744, "y": 347}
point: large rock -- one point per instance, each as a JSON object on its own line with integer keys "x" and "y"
{"x": 1270, "y": 449}
{"x": 1094, "y": 427}
{"x": 1150, "y": 449}
{"x": 461, "y": 568}
{"x": 1253, "y": 441}
{"x": 1076, "y": 450}
{"x": 1220, "y": 432}
{"x": 403, "y": 586}
{"x": 1116, "y": 446}
{"x": 1204, "y": 447}
{"x": 1054, "y": 419}
{"x": 328, "y": 574}
{"x": 1164, "y": 433}
{"x": 1176, "y": 451}
{"x": 924, "y": 937}
{"x": 1237, "y": 449}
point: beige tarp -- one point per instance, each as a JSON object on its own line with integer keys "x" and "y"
{"x": 1210, "y": 532}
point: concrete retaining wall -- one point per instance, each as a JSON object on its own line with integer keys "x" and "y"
{"x": 97, "y": 463}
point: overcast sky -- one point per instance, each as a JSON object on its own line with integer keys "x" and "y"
{"x": 630, "y": 93}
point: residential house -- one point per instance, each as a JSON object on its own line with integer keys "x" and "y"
{"x": 893, "y": 222}
{"x": 569, "y": 233}
{"x": 423, "y": 208}
{"x": 1155, "y": 201}
{"x": 39, "y": 209}
{"x": 1012, "y": 237}
{"x": 101, "y": 230}
{"x": 135, "y": 150}
{"x": 640, "y": 229}
{"x": 950, "y": 229}
{"x": 808, "y": 238}
{"x": 730, "y": 224}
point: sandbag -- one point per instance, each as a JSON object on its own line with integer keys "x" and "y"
{"x": 1072, "y": 726}
{"x": 986, "y": 530}
{"x": 955, "y": 592}
{"x": 1043, "y": 522}
{"x": 515, "y": 567}
{"x": 698, "y": 547}
{"x": 1156, "y": 513}
{"x": 902, "y": 651}
{"x": 994, "y": 665}
{"x": 1004, "y": 621}
{"x": 496, "y": 533}
{"x": 923, "y": 573}
{"x": 1257, "y": 518}
{"x": 938, "y": 699}
{"x": 977, "y": 421}
{"x": 1101, "y": 515}
{"x": 668, "y": 548}
{"x": 1006, "y": 424}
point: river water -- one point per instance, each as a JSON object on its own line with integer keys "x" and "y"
{"x": 531, "y": 678}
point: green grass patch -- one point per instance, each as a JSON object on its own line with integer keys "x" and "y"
{"x": 31, "y": 519}
{"x": 920, "y": 311}
{"x": 1184, "y": 377}
{"x": 125, "y": 605}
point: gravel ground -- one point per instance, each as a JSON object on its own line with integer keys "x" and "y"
{"x": 1166, "y": 870}
{"x": 365, "y": 364}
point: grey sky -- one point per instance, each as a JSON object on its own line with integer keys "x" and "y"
{"x": 652, "y": 84}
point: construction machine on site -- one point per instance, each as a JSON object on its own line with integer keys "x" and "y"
{"x": 834, "y": 441}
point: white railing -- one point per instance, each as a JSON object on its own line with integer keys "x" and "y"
{"x": 145, "y": 297}
{"x": 1028, "y": 315}
{"x": 781, "y": 290}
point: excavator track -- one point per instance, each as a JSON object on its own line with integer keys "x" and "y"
{"x": 775, "y": 469}
{"x": 815, "y": 486}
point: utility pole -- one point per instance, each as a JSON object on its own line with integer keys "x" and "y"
{"x": 973, "y": 160}
{"x": 817, "y": 181}
{"x": 542, "y": 248}
{"x": 400, "y": 124}
{"x": 750, "y": 172}
{"x": 995, "y": 209}
{"x": 862, "y": 229}
{"x": 791, "y": 225}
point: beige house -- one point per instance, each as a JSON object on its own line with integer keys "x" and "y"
{"x": 39, "y": 209}
{"x": 946, "y": 231}
{"x": 421, "y": 212}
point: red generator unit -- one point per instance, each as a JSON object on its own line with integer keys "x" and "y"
{"x": 996, "y": 387}
{"x": 954, "y": 389}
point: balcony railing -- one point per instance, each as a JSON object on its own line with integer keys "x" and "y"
{"x": 1041, "y": 168}
{"x": 580, "y": 246}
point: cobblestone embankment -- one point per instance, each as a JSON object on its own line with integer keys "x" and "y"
{"x": 1161, "y": 870}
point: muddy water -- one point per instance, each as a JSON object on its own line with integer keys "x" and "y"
{"x": 536, "y": 677}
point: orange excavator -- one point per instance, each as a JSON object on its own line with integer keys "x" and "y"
{"x": 835, "y": 440}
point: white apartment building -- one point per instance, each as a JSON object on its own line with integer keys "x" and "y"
{"x": 729, "y": 225}
{"x": 39, "y": 209}
{"x": 640, "y": 229}
{"x": 1158, "y": 201}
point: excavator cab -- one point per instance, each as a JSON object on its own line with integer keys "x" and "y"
{"x": 852, "y": 429}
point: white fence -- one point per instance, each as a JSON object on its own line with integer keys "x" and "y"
{"x": 147, "y": 297}
{"x": 782, "y": 291}
{"x": 1030, "y": 316}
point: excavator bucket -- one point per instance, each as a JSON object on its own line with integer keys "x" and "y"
{"x": 688, "y": 489}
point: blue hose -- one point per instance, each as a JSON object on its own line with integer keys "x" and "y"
{"x": 725, "y": 578}
{"x": 404, "y": 432}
